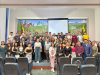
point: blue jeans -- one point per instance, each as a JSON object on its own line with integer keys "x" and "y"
{"x": 37, "y": 54}
{"x": 78, "y": 56}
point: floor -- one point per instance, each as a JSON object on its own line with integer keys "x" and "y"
{"x": 43, "y": 72}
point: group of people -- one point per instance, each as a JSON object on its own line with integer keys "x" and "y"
{"x": 49, "y": 46}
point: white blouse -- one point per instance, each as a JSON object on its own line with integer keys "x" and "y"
{"x": 50, "y": 50}
{"x": 37, "y": 45}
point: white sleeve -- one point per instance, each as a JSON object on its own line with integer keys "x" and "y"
{"x": 40, "y": 45}
{"x": 50, "y": 51}
{"x": 54, "y": 52}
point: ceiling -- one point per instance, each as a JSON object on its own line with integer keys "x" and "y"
{"x": 49, "y": 2}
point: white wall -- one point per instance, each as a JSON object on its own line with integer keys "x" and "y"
{"x": 43, "y": 14}
{"x": 2, "y": 24}
{"x": 97, "y": 24}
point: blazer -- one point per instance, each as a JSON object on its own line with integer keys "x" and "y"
{"x": 87, "y": 50}
{"x": 17, "y": 39}
{"x": 32, "y": 45}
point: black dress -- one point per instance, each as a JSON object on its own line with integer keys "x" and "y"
{"x": 60, "y": 50}
{"x": 67, "y": 51}
{"x": 8, "y": 52}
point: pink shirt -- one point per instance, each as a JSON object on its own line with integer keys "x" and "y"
{"x": 73, "y": 49}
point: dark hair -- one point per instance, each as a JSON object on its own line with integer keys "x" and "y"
{"x": 11, "y": 32}
{"x": 68, "y": 32}
{"x": 49, "y": 32}
{"x": 22, "y": 43}
{"x": 74, "y": 43}
{"x": 29, "y": 31}
{"x": 14, "y": 45}
{"x": 1, "y": 42}
{"x": 52, "y": 43}
{"x": 86, "y": 39}
{"x": 98, "y": 44}
{"x": 7, "y": 45}
{"x": 29, "y": 43}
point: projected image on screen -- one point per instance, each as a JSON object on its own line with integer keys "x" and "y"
{"x": 57, "y": 26}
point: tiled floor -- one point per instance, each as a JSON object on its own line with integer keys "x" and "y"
{"x": 43, "y": 72}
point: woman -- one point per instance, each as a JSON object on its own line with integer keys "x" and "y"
{"x": 98, "y": 55}
{"x": 90, "y": 42}
{"x": 67, "y": 50}
{"x": 57, "y": 43}
{"x": 79, "y": 49}
{"x": 2, "y": 49}
{"x": 74, "y": 38}
{"x": 73, "y": 50}
{"x": 53, "y": 40}
{"x": 69, "y": 41}
{"x": 63, "y": 45}
{"x": 28, "y": 52}
{"x": 61, "y": 40}
{"x": 8, "y": 50}
{"x": 15, "y": 50}
{"x": 52, "y": 53}
{"x": 34, "y": 39}
{"x": 95, "y": 49}
{"x": 60, "y": 52}
{"x": 21, "y": 50}
{"x": 37, "y": 50}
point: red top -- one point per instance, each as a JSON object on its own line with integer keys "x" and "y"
{"x": 73, "y": 49}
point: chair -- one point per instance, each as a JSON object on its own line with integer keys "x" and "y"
{"x": 0, "y": 70}
{"x": 62, "y": 61}
{"x": 10, "y": 60}
{"x": 23, "y": 64}
{"x": 78, "y": 61}
{"x": 2, "y": 63}
{"x": 90, "y": 60}
{"x": 88, "y": 70}
{"x": 13, "y": 69}
{"x": 70, "y": 69}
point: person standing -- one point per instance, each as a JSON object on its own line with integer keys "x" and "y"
{"x": 24, "y": 43}
{"x": 28, "y": 52}
{"x": 54, "y": 36}
{"x": 87, "y": 49}
{"x": 58, "y": 36}
{"x": 13, "y": 43}
{"x": 30, "y": 35}
{"x": 66, "y": 35}
{"x": 10, "y": 37}
{"x": 50, "y": 36}
{"x": 2, "y": 49}
{"x": 69, "y": 36}
{"x": 95, "y": 49}
{"x": 74, "y": 38}
{"x": 17, "y": 38}
{"x": 8, "y": 50}
{"x": 62, "y": 36}
{"x": 52, "y": 54}
{"x": 79, "y": 49}
{"x": 47, "y": 46}
{"x": 80, "y": 38}
{"x": 46, "y": 34}
{"x": 85, "y": 36}
{"x": 37, "y": 50}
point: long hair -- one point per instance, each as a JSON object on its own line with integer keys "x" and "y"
{"x": 1, "y": 42}
{"x": 8, "y": 46}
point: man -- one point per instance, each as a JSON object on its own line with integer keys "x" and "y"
{"x": 50, "y": 36}
{"x": 46, "y": 34}
{"x": 87, "y": 49}
{"x": 69, "y": 36}
{"x": 85, "y": 36}
{"x": 36, "y": 34}
{"x": 25, "y": 37}
{"x": 24, "y": 43}
{"x": 74, "y": 38}
{"x": 62, "y": 35}
{"x": 17, "y": 38}
{"x": 30, "y": 35}
{"x": 58, "y": 36}
{"x": 13, "y": 43}
{"x": 54, "y": 36}
{"x": 66, "y": 35}
{"x": 41, "y": 35}
{"x": 10, "y": 37}
{"x": 80, "y": 38}
{"x": 47, "y": 46}
{"x": 31, "y": 41}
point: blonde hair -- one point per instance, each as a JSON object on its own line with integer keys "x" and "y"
{"x": 68, "y": 44}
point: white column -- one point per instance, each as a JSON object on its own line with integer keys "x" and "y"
{"x": 2, "y": 24}
{"x": 97, "y": 24}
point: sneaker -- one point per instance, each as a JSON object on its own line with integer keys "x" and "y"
{"x": 53, "y": 70}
